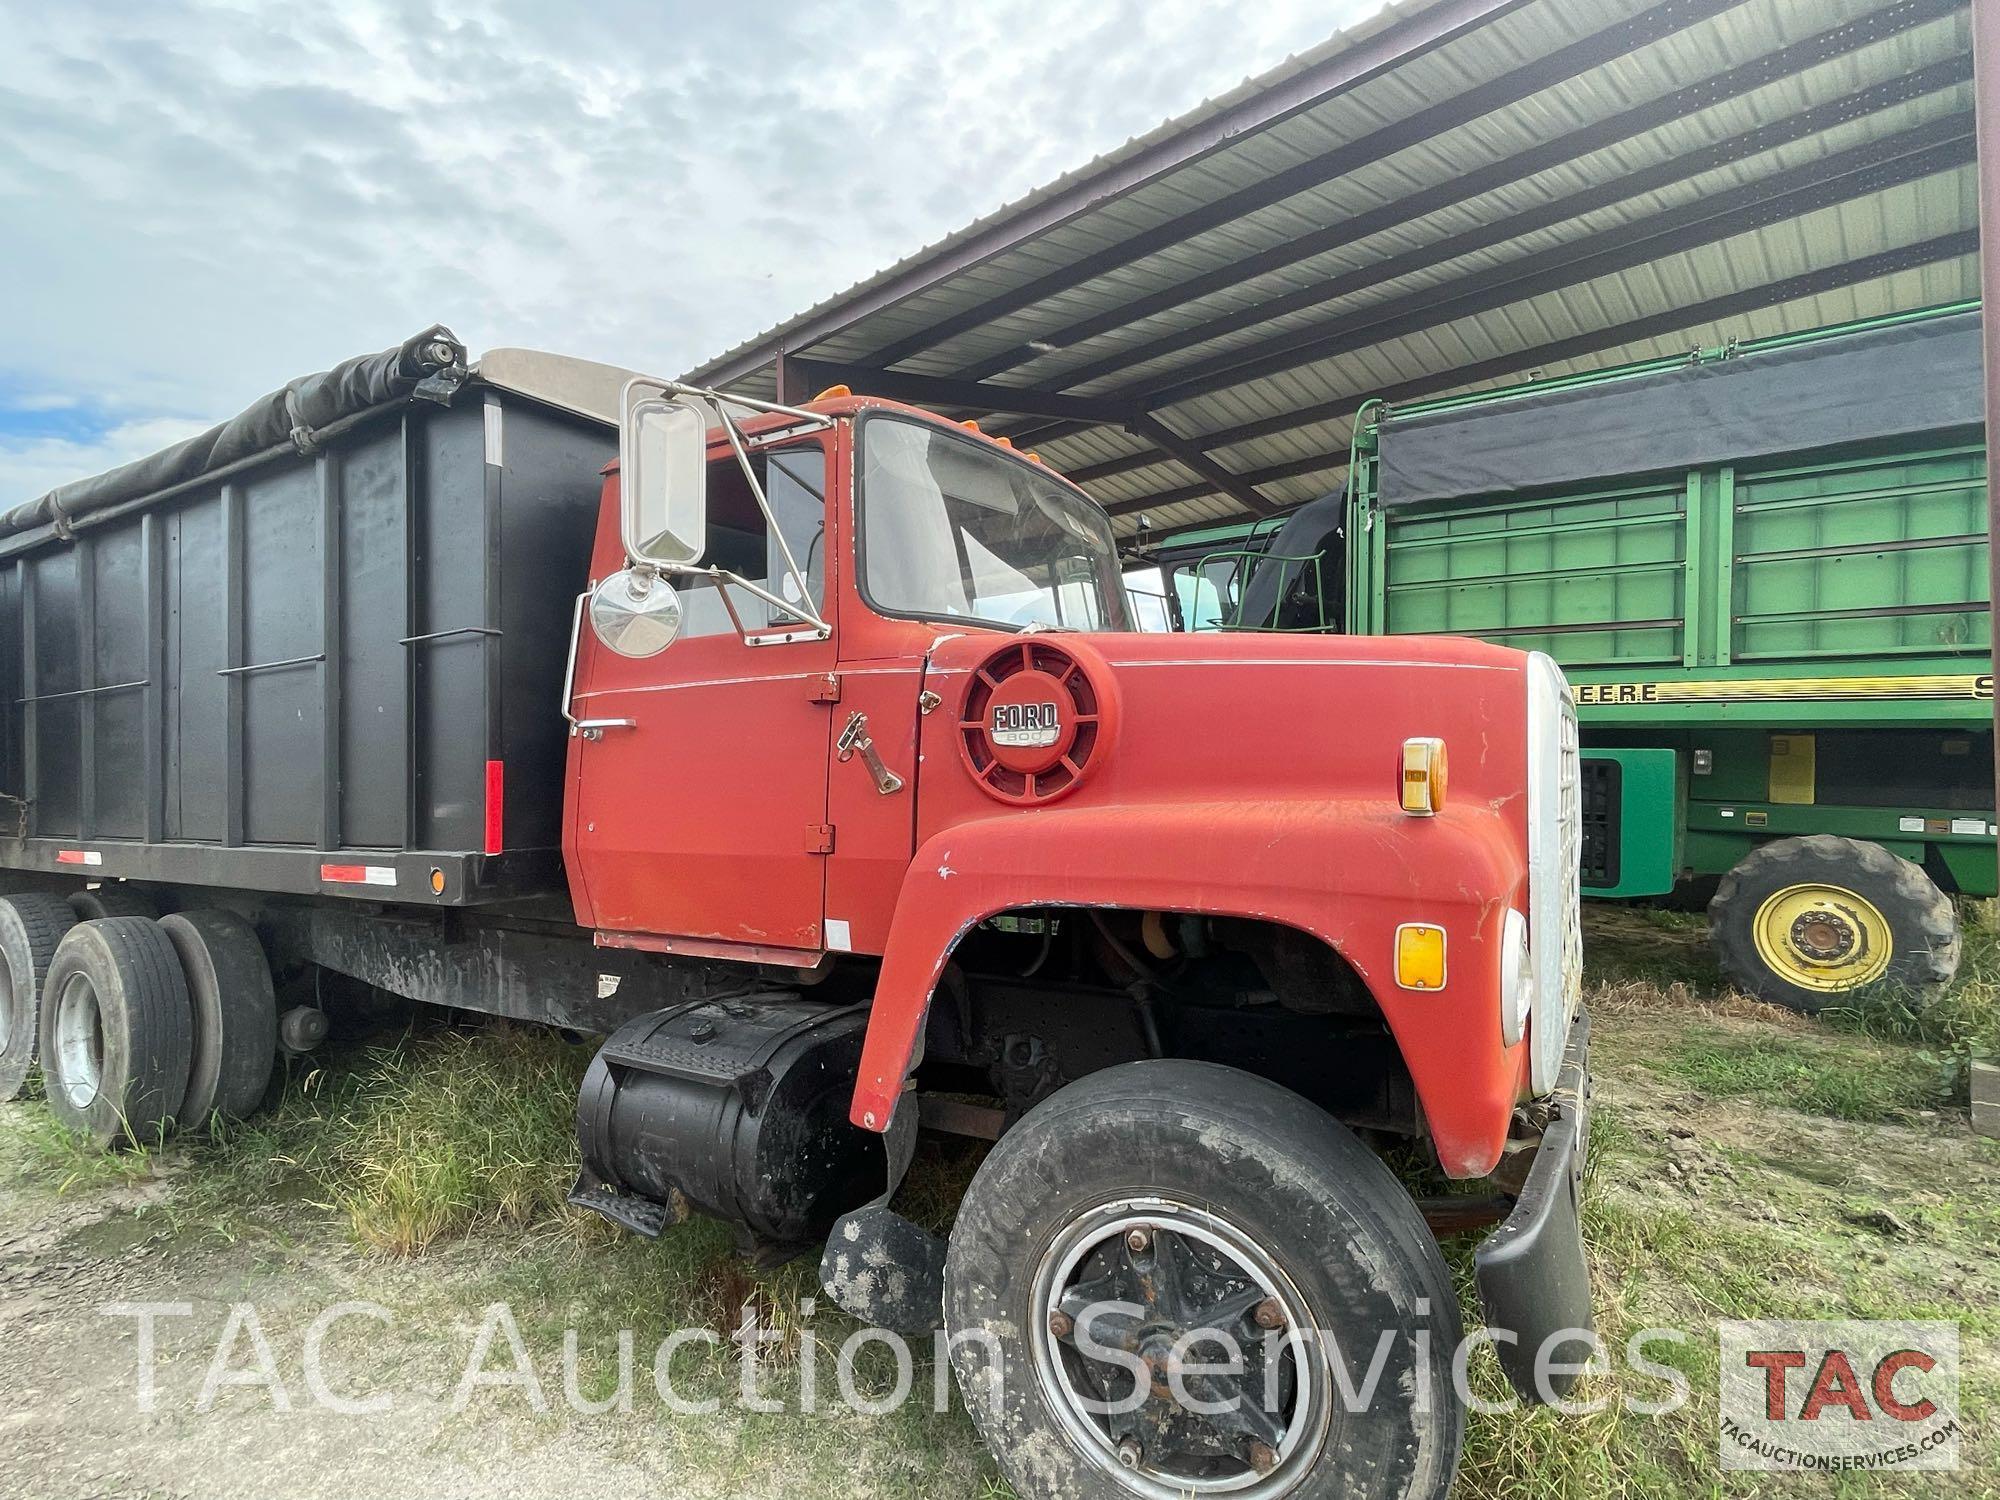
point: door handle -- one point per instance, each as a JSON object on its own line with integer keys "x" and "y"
{"x": 854, "y": 741}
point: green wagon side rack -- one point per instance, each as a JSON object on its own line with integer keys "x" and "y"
{"x": 1763, "y": 567}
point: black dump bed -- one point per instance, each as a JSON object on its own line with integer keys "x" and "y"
{"x": 318, "y": 649}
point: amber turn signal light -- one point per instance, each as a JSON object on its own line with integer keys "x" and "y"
{"x": 1420, "y": 956}
{"x": 1423, "y": 777}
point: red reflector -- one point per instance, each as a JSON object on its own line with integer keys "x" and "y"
{"x": 78, "y": 857}
{"x": 358, "y": 874}
{"x": 496, "y": 804}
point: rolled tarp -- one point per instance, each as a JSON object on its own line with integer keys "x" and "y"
{"x": 430, "y": 364}
{"x": 1903, "y": 379}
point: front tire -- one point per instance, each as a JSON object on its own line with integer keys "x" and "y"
{"x": 1174, "y": 1201}
{"x": 1806, "y": 923}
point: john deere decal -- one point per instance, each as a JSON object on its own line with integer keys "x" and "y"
{"x": 1785, "y": 689}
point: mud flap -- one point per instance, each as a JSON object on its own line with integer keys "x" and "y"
{"x": 878, "y": 1266}
{"x": 1534, "y": 1281}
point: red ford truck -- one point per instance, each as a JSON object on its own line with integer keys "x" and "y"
{"x": 810, "y": 757}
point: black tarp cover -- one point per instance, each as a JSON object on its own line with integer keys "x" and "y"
{"x": 1904, "y": 379}
{"x": 288, "y": 416}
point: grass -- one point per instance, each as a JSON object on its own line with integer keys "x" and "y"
{"x": 1805, "y": 1073}
{"x": 1746, "y": 1163}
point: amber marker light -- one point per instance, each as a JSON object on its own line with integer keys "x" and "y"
{"x": 1423, "y": 777}
{"x": 1420, "y": 956}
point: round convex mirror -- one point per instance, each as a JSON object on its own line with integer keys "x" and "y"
{"x": 635, "y": 614}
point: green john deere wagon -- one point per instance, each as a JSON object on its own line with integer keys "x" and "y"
{"x": 1764, "y": 568}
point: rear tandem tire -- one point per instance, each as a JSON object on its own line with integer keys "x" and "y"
{"x": 1186, "y": 1193}
{"x": 235, "y": 1014}
{"x": 1808, "y": 923}
{"x": 31, "y": 925}
{"x": 117, "y": 1034}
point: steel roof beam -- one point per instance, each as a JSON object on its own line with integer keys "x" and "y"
{"x": 938, "y": 392}
{"x": 1935, "y": 146}
{"x": 1617, "y": 336}
{"x": 1665, "y": 111}
{"x": 1885, "y": 95}
{"x": 1854, "y": 173}
{"x": 1532, "y": 78}
{"x": 1190, "y": 456}
{"x": 1370, "y": 57}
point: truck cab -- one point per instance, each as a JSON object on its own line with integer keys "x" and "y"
{"x": 905, "y": 695}
{"x": 859, "y": 697}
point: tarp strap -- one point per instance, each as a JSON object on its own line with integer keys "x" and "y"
{"x": 303, "y": 437}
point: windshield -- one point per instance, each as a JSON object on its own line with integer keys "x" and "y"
{"x": 951, "y": 530}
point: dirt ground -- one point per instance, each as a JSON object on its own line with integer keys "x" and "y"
{"x": 73, "y": 1423}
{"x": 1711, "y": 1198}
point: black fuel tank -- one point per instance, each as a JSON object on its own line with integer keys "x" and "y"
{"x": 735, "y": 1108}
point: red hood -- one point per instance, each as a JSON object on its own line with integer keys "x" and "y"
{"x": 1252, "y": 717}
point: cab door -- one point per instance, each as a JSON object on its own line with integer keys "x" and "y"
{"x": 699, "y": 817}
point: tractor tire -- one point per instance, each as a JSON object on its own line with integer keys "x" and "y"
{"x": 115, "y": 900}
{"x": 117, "y": 1032}
{"x": 31, "y": 925}
{"x": 235, "y": 1014}
{"x": 1161, "y": 1198}
{"x": 1809, "y": 923}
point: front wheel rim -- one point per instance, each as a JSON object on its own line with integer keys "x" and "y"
{"x": 1223, "y": 1278}
{"x": 1823, "y": 937}
{"x": 79, "y": 1042}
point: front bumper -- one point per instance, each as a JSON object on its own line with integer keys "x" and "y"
{"x": 1534, "y": 1281}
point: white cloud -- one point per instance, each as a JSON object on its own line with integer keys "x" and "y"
{"x": 31, "y": 466}
{"x": 199, "y": 201}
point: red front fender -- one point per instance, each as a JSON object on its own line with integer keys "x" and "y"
{"x": 1345, "y": 871}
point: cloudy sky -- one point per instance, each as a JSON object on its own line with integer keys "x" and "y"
{"x": 199, "y": 201}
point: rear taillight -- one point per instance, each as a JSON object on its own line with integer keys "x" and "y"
{"x": 496, "y": 806}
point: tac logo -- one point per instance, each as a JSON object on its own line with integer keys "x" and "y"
{"x": 1834, "y": 1397}
{"x": 1032, "y": 726}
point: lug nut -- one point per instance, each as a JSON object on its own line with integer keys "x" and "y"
{"x": 1061, "y": 1324}
{"x": 1268, "y": 1314}
{"x": 1139, "y": 1241}
{"x": 1263, "y": 1457}
{"x": 1130, "y": 1454}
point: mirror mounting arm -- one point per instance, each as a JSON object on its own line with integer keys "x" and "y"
{"x": 590, "y": 729}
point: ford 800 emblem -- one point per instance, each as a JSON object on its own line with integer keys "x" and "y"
{"x": 1031, "y": 726}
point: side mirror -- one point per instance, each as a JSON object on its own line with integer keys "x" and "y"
{"x": 635, "y": 612}
{"x": 663, "y": 474}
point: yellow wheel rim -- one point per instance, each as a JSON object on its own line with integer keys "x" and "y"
{"x": 1823, "y": 937}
